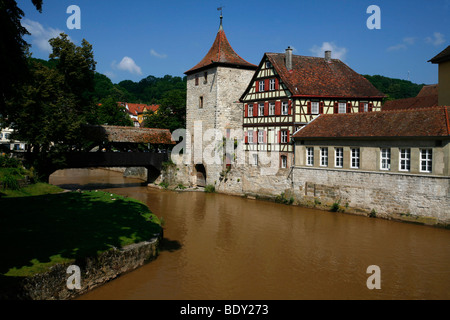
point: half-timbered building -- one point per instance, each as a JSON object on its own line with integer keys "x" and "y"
{"x": 289, "y": 91}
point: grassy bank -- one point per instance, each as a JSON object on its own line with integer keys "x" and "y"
{"x": 39, "y": 229}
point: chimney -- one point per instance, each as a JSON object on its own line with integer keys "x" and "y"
{"x": 289, "y": 58}
{"x": 328, "y": 56}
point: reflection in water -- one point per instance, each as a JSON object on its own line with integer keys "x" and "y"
{"x": 225, "y": 247}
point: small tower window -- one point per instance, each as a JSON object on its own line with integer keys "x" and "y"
{"x": 200, "y": 103}
{"x": 196, "y": 79}
{"x": 205, "y": 77}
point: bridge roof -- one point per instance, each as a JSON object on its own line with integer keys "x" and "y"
{"x": 129, "y": 134}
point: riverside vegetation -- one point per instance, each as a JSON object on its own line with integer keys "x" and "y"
{"x": 42, "y": 225}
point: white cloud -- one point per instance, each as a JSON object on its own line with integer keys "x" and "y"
{"x": 128, "y": 64}
{"x": 336, "y": 52}
{"x": 436, "y": 40}
{"x": 41, "y": 35}
{"x": 407, "y": 41}
{"x": 158, "y": 55}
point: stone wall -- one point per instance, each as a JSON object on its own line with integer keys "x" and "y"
{"x": 389, "y": 195}
{"x": 94, "y": 272}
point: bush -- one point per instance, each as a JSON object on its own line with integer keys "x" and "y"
{"x": 7, "y": 162}
{"x": 210, "y": 188}
{"x": 336, "y": 207}
{"x": 282, "y": 199}
{"x": 164, "y": 184}
{"x": 373, "y": 214}
{"x": 10, "y": 182}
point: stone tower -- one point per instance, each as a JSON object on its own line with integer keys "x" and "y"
{"x": 214, "y": 87}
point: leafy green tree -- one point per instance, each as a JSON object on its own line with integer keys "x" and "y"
{"x": 395, "y": 88}
{"x": 171, "y": 113}
{"x": 108, "y": 112}
{"x": 13, "y": 50}
{"x": 54, "y": 105}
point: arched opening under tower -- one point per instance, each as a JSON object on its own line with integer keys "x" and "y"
{"x": 200, "y": 175}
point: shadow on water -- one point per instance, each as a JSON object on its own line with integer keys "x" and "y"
{"x": 170, "y": 245}
{"x": 98, "y": 186}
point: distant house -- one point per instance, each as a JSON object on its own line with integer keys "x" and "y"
{"x": 7, "y": 143}
{"x": 136, "y": 111}
{"x": 289, "y": 91}
{"x": 443, "y": 60}
{"x": 386, "y": 142}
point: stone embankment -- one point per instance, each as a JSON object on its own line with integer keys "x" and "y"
{"x": 95, "y": 272}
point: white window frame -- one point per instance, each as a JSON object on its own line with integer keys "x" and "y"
{"x": 284, "y": 108}
{"x": 310, "y": 156}
{"x": 314, "y": 107}
{"x": 255, "y": 159}
{"x": 366, "y": 106}
{"x": 284, "y": 136}
{"x": 260, "y": 136}
{"x": 342, "y": 107}
{"x": 404, "y": 163}
{"x": 271, "y": 84}
{"x": 355, "y": 158}
{"x": 271, "y": 108}
{"x": 250, "y": 136}
{"x": 339, "y": 157}
{"x": 261, "y": 86}
{"x": 250, "y": 110}
{"x": 385, "y": 159}
{"x": 324, "y": 157}
{"x": 426, "y": 160}
{"x": 283, "y": 162}
{"x": 261, "y": 110}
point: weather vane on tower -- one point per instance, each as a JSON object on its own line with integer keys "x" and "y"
{"x": 221, "y": 14}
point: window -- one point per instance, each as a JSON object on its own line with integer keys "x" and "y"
{"x": 366, "y": 107}
{"x": 205, "y": 77}
{"x": 426, "y": 160}
{"x": 283, "y": 162}
{"x": 255, "y": 159}
{"x": 250, "y": 110}
{"x": 385, "y": 159}
{"x": 260, "y": 136}
{"x": 200, "y": 104}
{"x": 314, "y": 107}
{"x": 261, "y": 86}
{"x": 310, "y": 156}
{"x": 268, "y": 65}
{"x": 196, "y": 79}
{"x": 284, "y": 108}
{"x": 342, "y": 107}
{"x": 354, "y": 163}
{"x": 261, "y": 110}
{"x": 250, "y": 136}
{"x": 324, "y": 157}
{"x": 272, "y": 109}
{"x": 405, "y": 160}
{"x": 272, "y": 84}
{"x": 284, "y": 136}
{"x": 339, "y": 157}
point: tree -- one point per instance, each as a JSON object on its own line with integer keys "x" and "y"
{"x": 108, "y": 112}
{"x": 171, "y": 113}
{"x": 54, "y": 105}
{"x": 13, "y": 50}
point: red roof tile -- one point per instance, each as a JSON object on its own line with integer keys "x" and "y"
{"x": 138, "y": 108}
{"x": 316, "y": 77}
{"x": 411, "y": 103}
{"x": 430, "y": 90}
{"x": 129, "y": 134}
{"x": 221, "y": 53}
{"x": 429, "y": 122}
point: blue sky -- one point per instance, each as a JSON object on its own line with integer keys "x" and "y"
{"x": 136, "y": 38}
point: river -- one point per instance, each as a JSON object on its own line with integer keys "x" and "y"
{"x": 220, "y": 247}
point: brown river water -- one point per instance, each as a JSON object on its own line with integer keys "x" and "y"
{"x": 220, "y": 247}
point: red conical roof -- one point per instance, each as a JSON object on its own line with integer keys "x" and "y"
{"x": 221, "y": 53}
